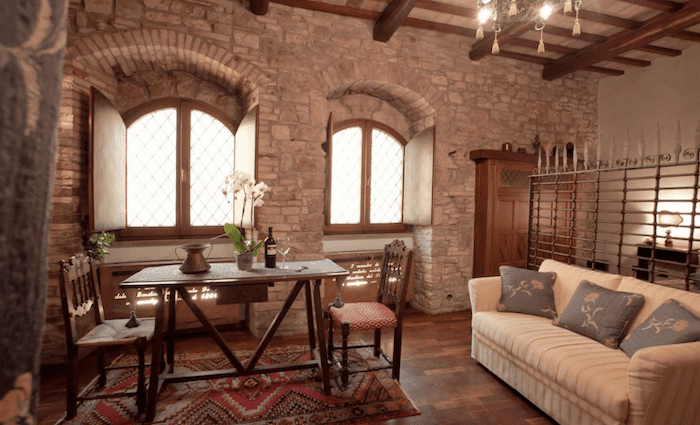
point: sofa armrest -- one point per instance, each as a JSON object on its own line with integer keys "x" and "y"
{"x": 484, "y": 293}
{"x": 663, "y": 385}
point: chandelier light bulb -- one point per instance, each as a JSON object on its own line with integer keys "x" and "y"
{"x": 546, "y": 11}
{"x": 484, "y": 15}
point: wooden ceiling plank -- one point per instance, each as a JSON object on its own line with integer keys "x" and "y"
{"x": 532, "y": 44}
{"x": 597, "y": 39}
{"x": 544, "y": 61}
{"x": 662, "y": 5}
{"x": 602, "y": 18}
{"x": 630, "y": 24}
{"x": 331, "y": 8}
{"x": 525, "y": 58}
{"x": 437, "y": 26}
{"x": 482, "y": 47}
{"x": 626, "y": 40}
{"x": 449, "y": 9}
{"x": 392, "y": 17}
{"x": 259, "y": 7}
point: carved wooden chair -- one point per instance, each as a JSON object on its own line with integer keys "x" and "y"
{"x": 80, "y": 295}
{"x": 377, "y": 315}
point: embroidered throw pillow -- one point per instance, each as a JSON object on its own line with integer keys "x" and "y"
{"x": 527, "y": 291}
{"x": 599, "y": 313}
{"x": 670, "y": 323}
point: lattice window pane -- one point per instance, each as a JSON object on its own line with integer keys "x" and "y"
{"x": 211, "y": 159}
{"x": 346, "y": 176}
{"x": 386, "y": 195}
{"x": 515, "y": 178}
{"x": 151, "y": 170}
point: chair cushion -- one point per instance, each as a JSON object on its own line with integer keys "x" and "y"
{"x": 115, "y": 332}
{"x": 364, "y": 316}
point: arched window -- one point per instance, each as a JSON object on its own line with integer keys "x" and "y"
{"x": 178, "y": 154}
{"x": 366, "y": 188}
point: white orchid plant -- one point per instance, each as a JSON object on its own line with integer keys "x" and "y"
{"x": 241, "y": 185}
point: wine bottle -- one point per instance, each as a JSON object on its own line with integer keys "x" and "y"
{"x": 270, "y": 250}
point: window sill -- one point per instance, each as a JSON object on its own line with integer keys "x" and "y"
{"x": 338, "y": 244}
{"x": 164, "y": 250}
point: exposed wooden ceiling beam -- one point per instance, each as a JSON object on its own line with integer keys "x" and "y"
{"x": 544, "y": 61}
{"x": 450, "y": 9}
{"x": 259, "y": 7}
{"x": 662, "y": 5}
{"x": 331, "y": 8}
{"x": 372, "y": 15}
{"x": 392, "y": 17}
{"x": 437, "y": 26}
{"x": 626, "y": 40}
{"x": 532, "y": 44}
{"x": 665, "y": 51}
{"x": 597, "y": 39}
{"x": 631, "y": 24}
{"x": 482, "y": 47}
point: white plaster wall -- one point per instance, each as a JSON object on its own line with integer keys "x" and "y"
{"x": 667, "y": 92}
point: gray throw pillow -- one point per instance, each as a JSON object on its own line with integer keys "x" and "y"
{"x": 599, "y": 313}
{"x": 671, "y": 323}
{"x": 527, "y": 291}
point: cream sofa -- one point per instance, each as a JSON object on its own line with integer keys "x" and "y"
{"x": 577, "y": 380}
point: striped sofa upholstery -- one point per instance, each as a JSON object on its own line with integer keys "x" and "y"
{"x": 577, "y": 380}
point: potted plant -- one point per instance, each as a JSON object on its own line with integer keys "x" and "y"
{"x": 241, "y": 185}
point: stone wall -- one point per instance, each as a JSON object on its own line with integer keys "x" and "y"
{"x": 297, "y": 66}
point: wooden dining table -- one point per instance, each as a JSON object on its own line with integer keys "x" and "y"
{"x": 226, "y": 277}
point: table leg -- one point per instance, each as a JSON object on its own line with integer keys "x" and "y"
{"x": 323, "y": 360}
{"x": 156, "y": 357}
{"x": 310, "y": 315}
{"x": 215, "y": 335}
{"x": 274, "y": 325}
{"x": 172, "y": 326}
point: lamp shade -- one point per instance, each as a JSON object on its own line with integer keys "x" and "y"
{"x": 669, "y": 219}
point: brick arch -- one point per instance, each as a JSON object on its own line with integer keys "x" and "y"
{"x": 419, "y": 108}
{"x": 129, "y": 52}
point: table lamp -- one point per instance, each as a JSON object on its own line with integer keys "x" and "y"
{"x": 669, "y": 219}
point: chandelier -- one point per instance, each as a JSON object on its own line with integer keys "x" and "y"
{"x": 501, "y": 12}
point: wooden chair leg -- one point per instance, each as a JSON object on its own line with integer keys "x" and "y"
{"x": 344, "y": 371}
{"x": 377, "y": 341}
{"x": 101, "y": 368}
{"x": 141, "y": 389}
{"x": 396, "y": 358}
{"x": 72, "y": 385}
{"x": 330, "y": 338}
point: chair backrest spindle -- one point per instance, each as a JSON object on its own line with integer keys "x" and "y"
{"x": 396, "y": 272}
{"x": 79, "y": 294}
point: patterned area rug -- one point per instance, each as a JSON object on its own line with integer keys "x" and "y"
{"x": 285, "y": 398}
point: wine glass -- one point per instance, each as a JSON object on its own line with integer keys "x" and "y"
{"x": 283, "y": 247}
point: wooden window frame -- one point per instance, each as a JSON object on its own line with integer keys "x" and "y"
{"x": 182, "y": 228}
{"x": 364, "y": 226}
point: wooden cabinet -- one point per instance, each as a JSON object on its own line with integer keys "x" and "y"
{"x": 502, "y": 204}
